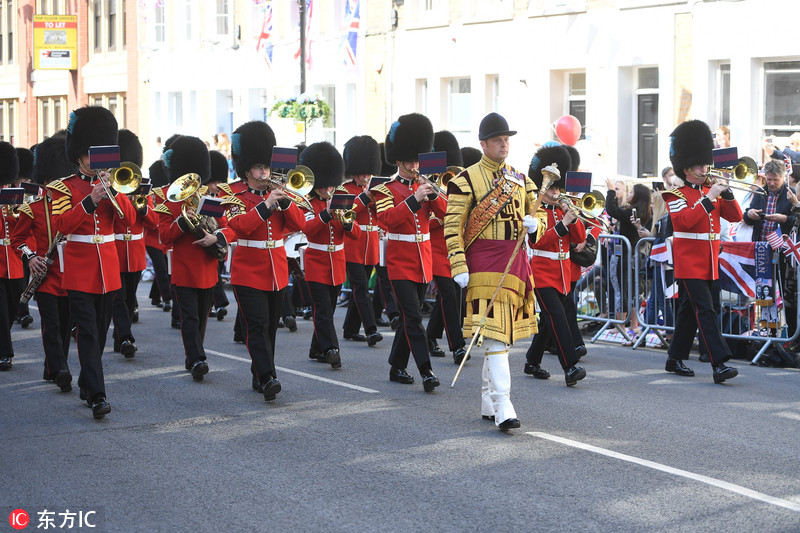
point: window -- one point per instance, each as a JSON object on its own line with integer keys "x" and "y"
{"x": 114, "y": 102}
{"x": 459, "y": 109}
{"x": 781, "y": 97}
{"x": 577, "y": 99}
{"x": 112, "y": 24}
{"x": 724, "y": 94}
{"x": 50, "y": 109}
{"x": 222, "y": 17}
{"x": 11, "y": 14}
{"x": 188, "y": 20}
{"x": 175, "y": 105}
{"x": 159, "y": 23}
{"x": 8, "y": 118}
{"x": 493, "y": 93}
{"x": 98, "y": 25}
{"x": 107, "y": 26}
{"x": 422, "y": 96}
{"x": 52, "y": 7}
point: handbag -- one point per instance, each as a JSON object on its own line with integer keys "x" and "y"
{"x": 585, "y": 257}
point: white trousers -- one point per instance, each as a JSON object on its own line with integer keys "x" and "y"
{"x": 496, "y": 383}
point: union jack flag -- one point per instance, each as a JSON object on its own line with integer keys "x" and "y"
{"x": 264, "y": 45}
{"x": 792, "y": 250}
{"x": 737, "y": 269}
{"x": 788, "y": 161}
{"x": 352, "y": 20}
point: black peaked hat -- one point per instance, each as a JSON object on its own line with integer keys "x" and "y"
{"x": 493, "y": 125}
{"x": 251, "y": 144}
{"x": 575, "y": 156}
{"x": 362, "y": 155}
{"x": 50, "y": 160}
{"x": 219, "y": 166}
{"x": 409, "y": 136}
{"x": 188, "y": 154}
{"x": 691, "y": 143}
{"x": 547, "y": 155}
{"x": 444, "y": 141}
{"x": 25, "y": 158}
{"x": 325, "y": 162}
{"x": 158, "y": 174}
{"x": 387, "y": 169}
{"x": 90, "y": 126}
{"x": 130, "y": 149}
{"x": 470, "y": 155}
{"x": 9, "y": 164}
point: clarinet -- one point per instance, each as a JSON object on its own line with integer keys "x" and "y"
{"x": 37, "y": 279}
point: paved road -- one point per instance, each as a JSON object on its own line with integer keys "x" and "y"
{"x": 631, "y": 448}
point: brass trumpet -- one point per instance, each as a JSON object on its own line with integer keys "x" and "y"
{"x": 743, "y": 176}
{"x": 430, "y": 180}
{"x": 139, "y": 201}
{"x": 345, "y": 216}
{"x": 296, "y": 183}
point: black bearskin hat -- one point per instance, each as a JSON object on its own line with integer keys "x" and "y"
{"x": 158, "y": 174}
{"x": 169, "y": 141}
{"x": 444, "y": 141}
{"x": 575, "y": 156}
{"x": 25, "y": 158}
{"x": 325, "y": 162}
{"x": 409, "y": 136}
{"x": 251, "y": 144}
{"x": 188, "y": 154}
{"x": 362, "y": 155}
{"x": 547, "y": 155}
{"x": 470, "y": 156}
{"x": 130, "y": 149}
{"x": 50, "y": 160}
{"x": 387, "y": 169}
{"x": 90, "y": 126}
{"x": 9, "y": 164}
{"x": 691, "y": 143}
{"x": 219, "y": 166}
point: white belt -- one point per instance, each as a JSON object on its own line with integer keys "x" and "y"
{"x": 91, "y": 239}
{"x": 559, "y": 256}
{"x": 128, "y": 236}
{"x": 413, "y": 237}
{"x": 326, "y": 247}
{"x": 696, "y": 236}
{"x": 365, "y": 227}
{"x": 262, "y": 245}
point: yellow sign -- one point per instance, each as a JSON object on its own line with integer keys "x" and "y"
{"x": 55, "y": 42}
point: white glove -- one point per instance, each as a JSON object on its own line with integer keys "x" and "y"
{"x": 462, "y": 279}
{"x": 531, "y": 223}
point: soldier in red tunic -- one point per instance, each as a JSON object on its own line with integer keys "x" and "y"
{"x": 159, "y": 291}
{"x": 404, "y": 208}
{"x": 362, "y": 160}
{"x": 36, "y": 219}
{"x": 695, "y": 210}
{"x": 324, "y": 261}
{"x": 86, "y": 215}
{"x": 218, "y": 186}
{"x": 260, "y": 215}
{"x": 11, "y": 272}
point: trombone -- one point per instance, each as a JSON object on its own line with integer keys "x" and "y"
{"x": 296, "y": 183}
{"x": 743, "y": 176}
{"x": 588, "y": 207}
{"x": 125, "y": 179}
{"x": 444, "y": 178}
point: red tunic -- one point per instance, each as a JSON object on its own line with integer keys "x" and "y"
{"x": 594, "y": 231}
{"x": 130, "y": 240}
{"x": 90, "y": 255}
{"x": 408, "y": 250}
{"x": 324, "y": 256}
{"x": 441, "y": 264}
{"x": 10, "y": 262}
{"x": 366, "y": 249}
{"x": 33, "y": 225}
{"x": 259, "y": 261}
{"x": 550, "y": 262}
{"x": 696, "y": 227}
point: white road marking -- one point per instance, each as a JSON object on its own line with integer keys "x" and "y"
{"x": 298, "y": 373}
{"x": 738, "y": 489}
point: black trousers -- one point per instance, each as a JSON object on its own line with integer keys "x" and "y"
{"x": 384, "y": 294}
{"x": 260, "y": 314}
{"x": 92, "y": 316}
{"x": 220, "y": 298}
{"x": 446, "y": 314}
{"x": 359, "y": 310}
{"x": 571, "y": 311}
{"x": 56, "y": 328}
{"x": 123, "y": 306}
{"x": 193, "y": 305}
{"x": 22, "y": 308}
{"x": 323, "y": 298}
{"x": 696, "y": 311}
{"x": 410, "y": 336}
{"x": 287, "y": 307}
{"x": 161, "y": 277}
{"x": 9, "y": 303}
{"x": 554, "y": 320}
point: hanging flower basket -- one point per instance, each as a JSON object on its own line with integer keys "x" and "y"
{"x": 304, "y": 108}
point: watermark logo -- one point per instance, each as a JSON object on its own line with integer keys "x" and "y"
{"x": 19, "y": 519}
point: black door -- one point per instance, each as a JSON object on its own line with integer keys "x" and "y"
{"x": 647, "y": 161}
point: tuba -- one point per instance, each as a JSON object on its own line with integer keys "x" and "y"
{"x": 185, "y": 189}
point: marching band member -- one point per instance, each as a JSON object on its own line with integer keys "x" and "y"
{"x": 260, "y": 215}
{"x": 362, "y": 160}
{"x": 36, "y": 219}
{"x": 159, "y": 291}
{"x": 325, "y": 263}
{"x": 446, "y": 313}
{"x": 86, "y": 215}
{"x": 486, "y": 212}
{"x": 129, "y": 237}
{"x": 404, "y": 207}
{"x": 552, "y": 268}
{"x": 383, "y": 298}
{"x": 10, "y": 265}
{"x": 695, "y": 210}
{"x": 218, "y": 186}
{"x": 25, "y": 158}
{"x": 194, "y": 268}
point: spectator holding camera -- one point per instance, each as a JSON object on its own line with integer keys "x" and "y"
{"x": 792, "y": 151}
{"x": 767, "y": 212}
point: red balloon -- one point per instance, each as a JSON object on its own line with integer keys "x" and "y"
{"x": 568, "y": 129}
